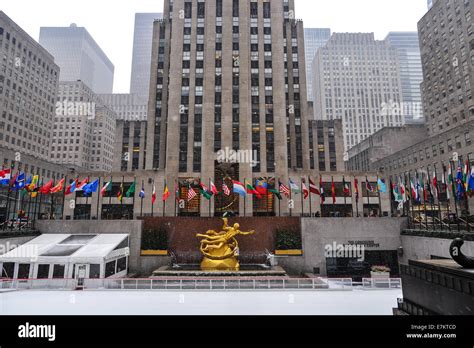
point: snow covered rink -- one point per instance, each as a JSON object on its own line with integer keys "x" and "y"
{"x": 356, "y": 302}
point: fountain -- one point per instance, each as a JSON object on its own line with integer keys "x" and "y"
{"x": 220, "y": 257}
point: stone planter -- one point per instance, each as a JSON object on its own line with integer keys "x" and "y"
{"x": 380, "y": 275}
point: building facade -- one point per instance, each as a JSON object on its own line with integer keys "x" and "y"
{"x": 447, "y": 60}
{"x": 141, "y": 60}
{"x": 128, "y": 107}
{"x": 411, "y": 74}
{"x": 314, "y": 38}
{"x": 28, "y": 87}
{"x": 130, "y": 146}
{"x": 384, "y": 143}
{"x": 84, "y": 129}
{"x": 357, "y": 79}
{"x": 79, "y": 57}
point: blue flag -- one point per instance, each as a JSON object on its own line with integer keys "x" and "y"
{"x": 20, "y": 182}
{"x": 142, "y": 193}
{"x": 382, "y": 186}
{"x": 91, "y": 188}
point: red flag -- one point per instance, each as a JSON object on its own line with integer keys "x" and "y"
{"x": 59, "y": 187}
{"x": 333, "y": 192}
{"x": 226, "y": 189}
{"x": 356, "y": 184}
{"x": 153, "y": 195}
{"x": 45, "y": 189}
{"x": 321, "y": 190}
{"x": 305, "y": 189}
{"x": 313, "y": 188}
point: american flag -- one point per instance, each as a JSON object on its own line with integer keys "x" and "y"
{"x": 226, "y": 189}
{"x": 191, "y": 194}
{"x": 285, "y": 190}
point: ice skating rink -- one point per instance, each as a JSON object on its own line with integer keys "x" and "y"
{"x": 356, "y": 302}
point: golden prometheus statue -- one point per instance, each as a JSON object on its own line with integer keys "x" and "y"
{"x": 221, "y": 249}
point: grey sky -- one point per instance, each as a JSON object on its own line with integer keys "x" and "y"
{"x": 111, "y": 22}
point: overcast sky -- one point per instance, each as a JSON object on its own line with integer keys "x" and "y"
{"x": 111, "y": 22}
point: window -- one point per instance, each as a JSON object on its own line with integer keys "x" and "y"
{"x": 94, "y": 271}
{"x": 58, "y": 271}
{"x": 121, "y": 264}
{"x": 43, "y": 272}
{"x": 109, "y": 269}
{"x": 8, "y": 269}
{"x": 23, "y": 271}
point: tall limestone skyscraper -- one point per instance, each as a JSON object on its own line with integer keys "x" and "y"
{"x": 228, "y": 75}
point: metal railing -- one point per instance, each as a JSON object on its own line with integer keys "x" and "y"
{"x": 201, "y": 284}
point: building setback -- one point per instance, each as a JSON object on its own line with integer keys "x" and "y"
{"x": 28, "y": 87}
{"x": 357, "y": 79}
{"x": 141, "y": 60}
{"x": 79, "y": 57}
{"x": 314, "y": 38}
{"x": 84, "y": 129}
{"x": 411, "y": 75}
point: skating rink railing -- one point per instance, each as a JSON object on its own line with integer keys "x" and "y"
{"x": 203, "y": 284}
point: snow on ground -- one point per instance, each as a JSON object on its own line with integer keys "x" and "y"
{"x": 357, "y": 302}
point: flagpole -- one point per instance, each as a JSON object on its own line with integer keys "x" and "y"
{"x": 210, "y": 199}
{"x": 368, "y": 198}
{"x": 99, "y": 196}
{"x": 310, "y": 198}
{"x": 438, "y": 191}
{"x": 87, "y": 196}
{"x": 380, "y": 198}
{"x": 453, "y": 187}
{"x": 175, "y": 200}
{"x": 291, "y": 195}
{"x": 245, "y": 198}
{"x": 164, "y": 201}
{"x": 141, "y": 203}
{"x": 345, "y": 194}
{"x": 302, "y": 198}
{"x": 122, "y": 191}
{"x": 64, "y": 198}
{"x": 41, "y": 199}
{"x": 52, "y": 200}
{"x": 356, "y": 184}
{"x": 468, "y": 174}
{"x": 279, "y": 201}
{"x": 431, "y": 197}
{"x": 448, "y": 195}
{"x": 134, "y": 195}
{"x": 333, "y": 194}
{"x": 28, "y": 210}
{"x": 152, "y": 203}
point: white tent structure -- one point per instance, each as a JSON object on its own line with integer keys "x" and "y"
{"x": 68, "y": 256}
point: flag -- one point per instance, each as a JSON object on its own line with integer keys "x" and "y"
{"x": 5, "y": 176}
{"x": 20, "y": 183}
{"x": 33, "y": 184}
{"x": 214, "y": 189}
{"x": 81, "y": 186}
{"x": 252, "y": 191}
{"x": 153, "y": 195}
{"x": 276, "y": 192}
{"x": 120, "y": 193}
{"x": 435, "y": 184}
{"x": 285, "y": 190}
{"x": 356, "y": 185}
{"x": 382, "y": 187}
{"x": 369, "y": 187}
{"x": 204, "y": 191}
{"x": 261, "y": 186}
{"x": 347, "y": 190}
{"x": 321, "y": 190}
{"x": 142, "y": 193}
{"x": 45, "y": 189}
{"x": 177, "y": 191}
{"x": 465, "y": 178}
{"x": 305, "y": 189}
{"x": 333, "y": 191}
{"x": 414, "y": 192}
{"x": 107, "y": 188}
{"x": 470, "y": 183}
{"x": 460, "y": 184}
{"x": 226, "y": 189}
{"x": 91, "y": 188}
{"x": 239, "y": 188}
{"x": 313, "y": 188}
{"x": 166, "y": 194}
{"x": 294, "y": 187}
{"x": 191, "y": 193}
{"x": 131, "y": 190}
{"x": 451, "y": 181}
{"x": 70, "y": 188}
{"x": 59, "y": 187}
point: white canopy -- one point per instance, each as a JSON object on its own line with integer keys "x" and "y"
{"x": 68, "y": 248}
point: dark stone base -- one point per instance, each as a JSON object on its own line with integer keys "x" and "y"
{"x": 258, "y": 272}
{"x": 437, "y": 287}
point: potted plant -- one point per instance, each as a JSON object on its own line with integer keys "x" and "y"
{"x": 288, "y": 242}
{"x": 154, "y": 242}
{"x": 380, "y": 272}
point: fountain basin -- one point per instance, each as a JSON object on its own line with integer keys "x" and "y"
{"x": 194, "y": 270}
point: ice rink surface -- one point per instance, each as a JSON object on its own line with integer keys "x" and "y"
{"x": 357, "y": 302}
